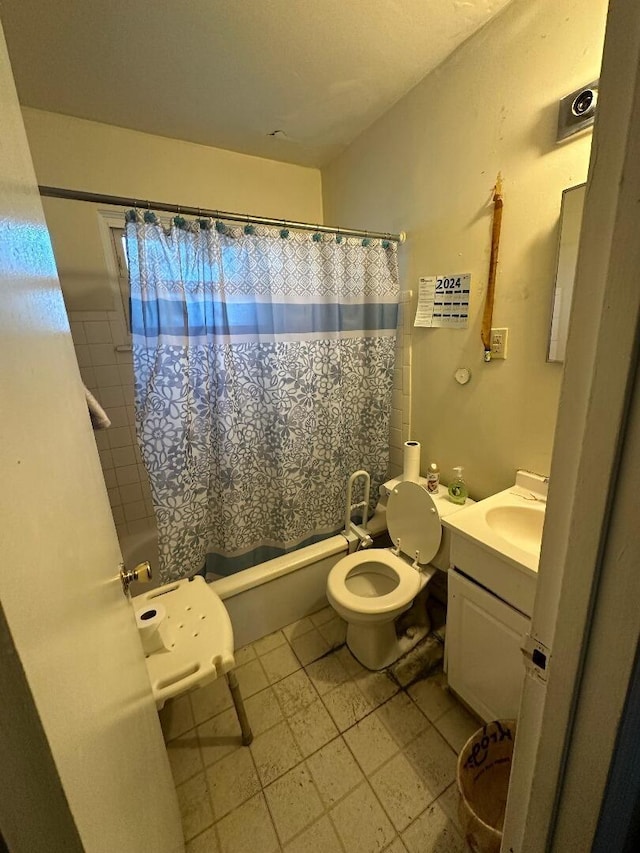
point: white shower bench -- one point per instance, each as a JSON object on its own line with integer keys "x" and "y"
{"x": 197, "y": 644}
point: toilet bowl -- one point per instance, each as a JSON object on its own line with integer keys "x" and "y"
{"x": 371, "y": 589}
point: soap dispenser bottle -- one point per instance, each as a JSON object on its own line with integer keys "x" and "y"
{"x": 458, "y": 492}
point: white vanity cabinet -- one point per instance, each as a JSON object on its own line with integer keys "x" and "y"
{"x": 495, "y": 551}
{"x": 484, "y": 637}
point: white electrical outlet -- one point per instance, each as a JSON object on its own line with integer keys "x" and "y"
{"x": 499, "y": 343}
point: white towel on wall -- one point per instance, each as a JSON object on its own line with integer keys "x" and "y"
{"x": 99, "y": 418}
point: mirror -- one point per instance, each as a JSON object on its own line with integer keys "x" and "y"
{"x": 570, "y": 222}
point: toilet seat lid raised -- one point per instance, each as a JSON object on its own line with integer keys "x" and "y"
{"x": 413, "y": 517}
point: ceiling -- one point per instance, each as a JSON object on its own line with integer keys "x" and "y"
{"x": 228, "y": 73}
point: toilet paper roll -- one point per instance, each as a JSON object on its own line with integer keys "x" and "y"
{"x": 411, "y": 466}
{"x": 149, "y": 619}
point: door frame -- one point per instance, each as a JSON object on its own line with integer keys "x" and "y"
{"x": 590, "y": 540}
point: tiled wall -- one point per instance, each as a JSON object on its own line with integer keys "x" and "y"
{"x": 109, "y": 376}
{"x": 400, "y": 424}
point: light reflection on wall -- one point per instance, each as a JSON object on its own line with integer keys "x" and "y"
{"x": 27, "y": 261}
{"x": 25, "y": 250}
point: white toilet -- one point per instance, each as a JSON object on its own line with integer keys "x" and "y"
{"x": 370, "y": 589}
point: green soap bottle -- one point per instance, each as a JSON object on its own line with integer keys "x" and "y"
{"x": 458, "y": 492}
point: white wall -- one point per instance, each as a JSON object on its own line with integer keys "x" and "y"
{"x": 428, "y": 167}
{"x": 79, "y": 154}
{"x": 86, "y": 155}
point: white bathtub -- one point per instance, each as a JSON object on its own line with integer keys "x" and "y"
{"x": 268, "y": 596}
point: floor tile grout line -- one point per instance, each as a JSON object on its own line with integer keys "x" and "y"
{"x": 347, "y": 793}
{"x": 350, "y": 677}
{"x": 415, "y": 702}
{"x": 280, "y": 703}
{"x": 271, "y": 818}
{"x": 317, "y": 818}
{"x": 255, "y": 770}
{"x": 285, "y": 722}
{"x": 202, "y": 769}
{"x": 400, "y": 750}
{"x": 428, "y": 721}
{"x": 286, "y": 718}
{"x": 211, "y": 826}
{"x": 366, "y": 781}
{"x": 299, "y": 745}
{"x": 453, "y": 785}
{"x": 333, "y": 824}
{"x": 273, "y": 648}
{"x": 375, "y": 705}
{"x": 367, "y": 776}
{"x": 385, "y": 810}
{"x": 434, "y": 802}
{"x": 372, "y": 711}
{"x": 217, "y": 835}
{"x": 213, "y": 823}
{"x": 291, "y": 624}
{"x": 327, "y": 810}
{"x": 380, "y": 803}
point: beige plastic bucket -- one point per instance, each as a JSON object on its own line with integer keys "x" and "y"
{"x": 484, "y": 765}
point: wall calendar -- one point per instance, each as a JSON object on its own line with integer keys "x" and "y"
{"x": 443, "y": 301}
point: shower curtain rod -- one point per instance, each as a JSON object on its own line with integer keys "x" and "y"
{"x": 123, "y": 201}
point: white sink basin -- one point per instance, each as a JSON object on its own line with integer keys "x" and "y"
{"x": 508, "y": 524}
{"x": 519, "y": 525}
{"x": 496, "y": 542}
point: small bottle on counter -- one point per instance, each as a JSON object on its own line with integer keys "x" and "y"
{"x": 433, "y": 478}
{"x": 458, "y": 492}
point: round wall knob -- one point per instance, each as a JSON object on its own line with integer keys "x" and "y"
{"x": 462, "y": 375}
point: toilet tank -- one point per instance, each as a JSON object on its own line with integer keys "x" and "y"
{"x": 443, "y": 505}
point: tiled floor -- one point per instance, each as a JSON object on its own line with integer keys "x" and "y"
{"x": 343, "y": 760}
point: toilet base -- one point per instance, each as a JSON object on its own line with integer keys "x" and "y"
{"x": 377, "y": 646}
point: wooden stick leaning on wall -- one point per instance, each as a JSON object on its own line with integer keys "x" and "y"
{"x": 487, "y": 317}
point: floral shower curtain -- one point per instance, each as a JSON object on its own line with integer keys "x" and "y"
{"x": 263, "y": 362}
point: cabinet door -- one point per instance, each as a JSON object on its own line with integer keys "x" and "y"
{"x": 484, "y": 636}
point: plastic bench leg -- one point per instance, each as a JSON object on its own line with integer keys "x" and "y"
{"x": 245, "y": 728}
